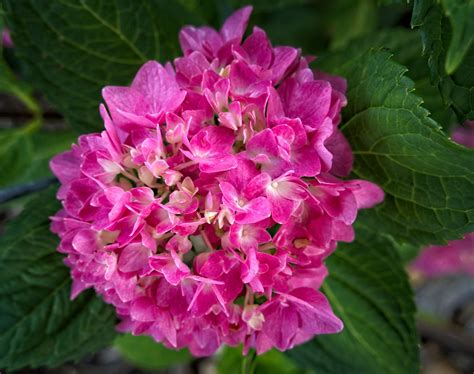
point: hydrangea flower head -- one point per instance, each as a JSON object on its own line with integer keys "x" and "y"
{"x": 206, "y": 208}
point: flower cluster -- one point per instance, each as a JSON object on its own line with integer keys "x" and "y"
{"x": 458, "y": 255}
{"x": 206, "y": 208}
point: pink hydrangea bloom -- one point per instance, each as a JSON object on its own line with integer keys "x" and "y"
{"x": 464, "y": 134}
{"x": 458, "y": 256}
{"x": 6, "y": 38}
{"x": 455, "y": 258}
{"x": 205, "y": 210}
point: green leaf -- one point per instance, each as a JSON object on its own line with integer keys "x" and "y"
{"x": 368, "y": 289}
{"x": 46, "y": 144}
{"x": 406, "y": 48}
{"x": 16, "y": 151}
{"x": 71, "y": 49}
{"x": 441, "y": 44}
{"x": 25, "y": 152}
{"x": 360, "y": 14}
{"x": 230, "y": 361}
{"x": 143, "y": 352}
{"x": 428, "y": 180}
{"x": 39, "y": 325}
{"x": 461, "y": 16}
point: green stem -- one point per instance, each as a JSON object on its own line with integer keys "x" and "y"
{"x": 33, "y": 125}
{"x": 249, "y": 363}
{"x": 28, "y": 100}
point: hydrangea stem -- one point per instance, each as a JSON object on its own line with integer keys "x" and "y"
{"x": 249, "y": 363}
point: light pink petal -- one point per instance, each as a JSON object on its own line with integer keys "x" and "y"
{"x": 367, "y": 194}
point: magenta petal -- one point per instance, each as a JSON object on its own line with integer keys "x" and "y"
{"x": 316, "y": 314}
{"x": 123, "y": 101}
{"x": 143, "y": 309}
{"x": 464, "y": 134}
{"x": 251, "y": 265}
{"x": 85, "y": 242}
{"x": 284, "y": 59}
{"x": 305, "y": 161}
{"x": 257, "y": 186}
{"x": 258, "y": 48}
{"x": 264, "y": 143}
{"x": 217, "y": 165}
{"x": 77, "y": 287}
{"x": 281, "y": 207}
{"x": 158, "y": 87}
{"x": 275, "y": 109}
{"x": 256, "y": 210}
{"x": 65, "y": 166}
{"x": 242, "y": 78}
{"x": 234, "y": 26}
{"x": 133, "y": 257}
{"x": 343, "y": 159}
{"x": 309, "y": 101}
{"x": 342, "y": 232}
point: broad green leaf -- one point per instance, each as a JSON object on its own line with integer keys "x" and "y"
{"x": 428, "y": 179}
{"x": 406, "y": 48}
{"x": 231, "y": 361}
{"x": 143, "y": 352}
{"x": 438, "y": 35}
{"x": 71, "y": 49}
{"x": 368, "y": 289}
{"x": 39, "y": 325}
